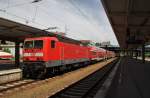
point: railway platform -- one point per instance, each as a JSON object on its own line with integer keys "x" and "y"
{"x": 10, "y": 75}
{"x": 131, "y": 80}
{"x": 7, "y": 65}
{"x": 9, "y": 71}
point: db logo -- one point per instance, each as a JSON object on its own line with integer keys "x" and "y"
{"x": 32, "y": 54}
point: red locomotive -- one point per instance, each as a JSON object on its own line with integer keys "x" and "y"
{"x": 48, "y": 54}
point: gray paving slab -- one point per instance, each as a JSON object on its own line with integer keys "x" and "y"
{"x": 132, "y": 80}
{"x": 7, "y": 66}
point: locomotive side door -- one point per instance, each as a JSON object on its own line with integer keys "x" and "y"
{"x": 62, "y": 55}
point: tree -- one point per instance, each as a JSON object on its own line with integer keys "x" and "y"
{"x": 98, "y": 44}
{"x": 7, "y": 50}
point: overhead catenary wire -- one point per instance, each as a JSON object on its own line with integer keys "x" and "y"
{"x": 25, "y": 19}
{"x": 37, "y": 9}
{"x": 16, "y": 5}
{"x": 82, "y": 13}
{"x": 35, "y": 14}
{"x": 25, "y": 3}
{"x": 20, "y": 4}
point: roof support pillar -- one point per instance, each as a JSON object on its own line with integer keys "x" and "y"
{"x": 17, "y": 54}
{"x": 132, "y": 53}
{"x": 143, "y": 52}
{"x": 124, "y": 53}
{"x": 136, "y": 54}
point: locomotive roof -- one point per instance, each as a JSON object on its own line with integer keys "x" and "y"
{"x": 66, "y": 40}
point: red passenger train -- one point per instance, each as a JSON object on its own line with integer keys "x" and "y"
{"x": 43, "y": 55}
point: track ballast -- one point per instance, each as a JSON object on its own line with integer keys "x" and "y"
{"x": 87, "y": 87}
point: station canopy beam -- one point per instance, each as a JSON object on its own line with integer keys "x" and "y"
{"x": 17, "y": 32}
{"x": 130, "y": 21}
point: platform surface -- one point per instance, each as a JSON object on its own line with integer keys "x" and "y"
{"x": 7, "y": 66}
{"x": 10, "y": 71}
{"x": 132, "y": 80}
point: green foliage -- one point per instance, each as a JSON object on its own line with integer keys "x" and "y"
{"x": 7, "y": 50}
{"x": 98, "y": 44}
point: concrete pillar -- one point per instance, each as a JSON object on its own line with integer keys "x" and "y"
{"x": 136, "y": 54}
{"x": 143, "y": 53}
{"x": 127, "y": 52}
{"x": 17, "y": 54}
{"x": 133, "y": 54}
{"x": 124, "y": 53}
{"x": 139, "y": 54}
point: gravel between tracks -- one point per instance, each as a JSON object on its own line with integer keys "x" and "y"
{"x": 48, "y": 87}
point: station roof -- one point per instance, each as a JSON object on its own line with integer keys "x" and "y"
{"x": 17, "y": 32}
{"x": 129, "y": 20}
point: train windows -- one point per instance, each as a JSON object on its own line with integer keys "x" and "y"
{"x": 38, "y": 44}
{"x": 53, "y": 43}
{"x": 33, "y": 44}
{"x": 28, "y": 44}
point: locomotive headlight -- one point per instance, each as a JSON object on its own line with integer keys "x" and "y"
{"x": 38, "y": 54}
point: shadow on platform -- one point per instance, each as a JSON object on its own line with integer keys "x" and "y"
{"x": 132, "y": 80}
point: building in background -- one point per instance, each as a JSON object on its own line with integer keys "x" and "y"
{"x": 107, "y": 43}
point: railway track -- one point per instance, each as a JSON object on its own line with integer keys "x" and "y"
{"x": 87, "y": 87}
{"x": 12, "y": 85}
{"x": 47, "y": 87}
{"x": 4, "y": 87}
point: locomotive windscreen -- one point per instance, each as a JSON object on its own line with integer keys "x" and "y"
{"x": 33, "y": 44}
{"x": 38, "y": 44}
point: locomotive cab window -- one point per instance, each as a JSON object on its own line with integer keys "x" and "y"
{"x": 28, "y": 44}
{"x": 53, "y": 44}
{"x": 38, "y": 44}
{"x": 33, "y": 44}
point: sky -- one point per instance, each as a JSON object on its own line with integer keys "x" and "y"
{"x": 80, "y": 19}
